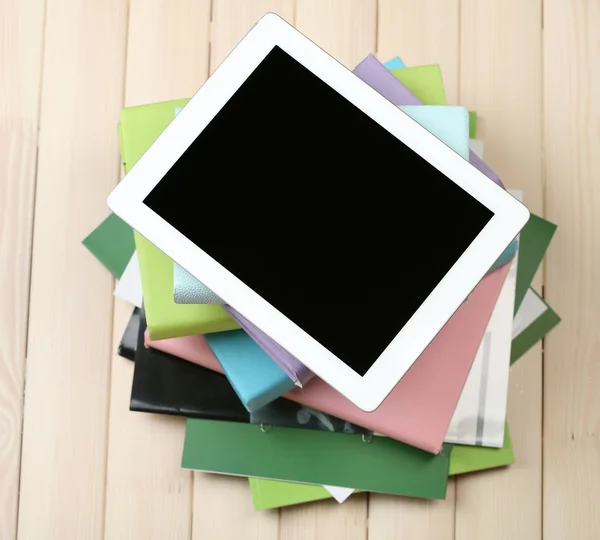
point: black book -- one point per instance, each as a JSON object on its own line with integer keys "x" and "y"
{"x": 165, "y": 384}
{"x": 128, "y": 344}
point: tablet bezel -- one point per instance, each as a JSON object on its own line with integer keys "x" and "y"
{"x": 366, "y": 392}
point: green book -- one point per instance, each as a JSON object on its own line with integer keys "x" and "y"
{"x": 532, "y": 322}
{"x": 165, "y": 318}
{"x": 534, "y": 240}
{"x": 267, "y": 494}
{"x": 472, "y": 125}
{"x": 315, "y": 457}
{"x": 112, "y": 244}
{"x": 425, "y": 83}
{"x": 139, "y": 128}
{"x": 466, "y": 459}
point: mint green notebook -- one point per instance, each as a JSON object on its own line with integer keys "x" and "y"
{"x": 315, "y": 457}
{"x": 139, "y": 128}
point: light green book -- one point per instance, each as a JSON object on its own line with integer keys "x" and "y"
{"x": 139, "y": 128}
{"x": 424, "y": 82}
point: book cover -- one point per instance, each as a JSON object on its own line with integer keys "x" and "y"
{"x": 165, "y": 384}
{"x": 154, "y": 396}
{"x": 140, "y": 126}
{"x": 269, "y": 494}
{"x": 112, "y": 244}
{"x": 534, "y": 239}
{"x": 532, "y": 322}
{"x": 255, "y": 377}
{"x": 480, "y": 414}
{"x": 395, "y": 63}
{"x": 315, "y": 457}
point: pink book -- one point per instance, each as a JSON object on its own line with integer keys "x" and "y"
{"x": 191, "y": 348}
{"x": 419, "y": 409}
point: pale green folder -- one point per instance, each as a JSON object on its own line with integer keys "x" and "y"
{"x": 451, "y": 126}
{"x": 139, "y": 128}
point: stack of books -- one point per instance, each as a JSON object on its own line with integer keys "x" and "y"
{"x": 253, "y": 410}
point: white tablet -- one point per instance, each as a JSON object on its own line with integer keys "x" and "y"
{"x": 271, "y": 188}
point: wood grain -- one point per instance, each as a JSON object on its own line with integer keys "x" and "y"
{"x": 77, "y": 62}
{"x": 222, "y": 505}
{"x": 501, "y": 79}
{"x": 167, "y": 49}
{"x": 406, "y": 29}
{"x": 148, "y": 494}
{"x": 68, "y": 368}
{"x": 411, "y": 31}
{"x": 571, "y": 358}
{"x": 345, "y": 29}
{"x": 223, "y": 510}
{"x": 233, "y": 19}
{"x": 22, "y": 25}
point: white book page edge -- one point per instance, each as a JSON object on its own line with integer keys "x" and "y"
{"x": 340, "y": 494}
{"x": 129, "y": 287}
{"x": 481, "y": 410}
{"x": 530, "y": 309}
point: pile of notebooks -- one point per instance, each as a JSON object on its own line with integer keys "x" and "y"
{"x": 254, "y": 411}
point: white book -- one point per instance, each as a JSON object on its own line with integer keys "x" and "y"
{"x": 480, "y": 415}
{"x": 129, "y": 287}
{"x": 340, "y": 494}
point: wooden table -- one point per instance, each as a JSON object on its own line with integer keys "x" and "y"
{"x": 85, "y": 468}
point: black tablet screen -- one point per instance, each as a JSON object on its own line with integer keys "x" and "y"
{"x": 319, "y": 210}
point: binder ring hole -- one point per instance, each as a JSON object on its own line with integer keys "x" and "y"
{"x": 265, "y": 428}
{"x": 366, "y": 438}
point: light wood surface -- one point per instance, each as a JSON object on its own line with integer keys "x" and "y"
{"x": 75, "y": 464}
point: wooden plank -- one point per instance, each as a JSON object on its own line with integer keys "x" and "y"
{"x": 572, "y": 280}
{"x": 346, "y": 29}
{"x": 21, "y": 67}
{"x": 148, "y": 494}
{"x": 420, "y": 33}
{"x": 167, "y": 49}
{"x": 223, "y": 510}
{"x": 233, "y": 19}
{"x": 222, "y": 505}
{"x": 501, "y": 77}
{"x": 68, "y": 370}
{"x": 326, "y": 520}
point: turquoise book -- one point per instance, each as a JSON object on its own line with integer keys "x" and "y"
{"x": 255, "y": 377}
{"x": 395, "y": 63}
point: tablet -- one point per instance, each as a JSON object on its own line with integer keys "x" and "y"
{"x": 292, "y": 149}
